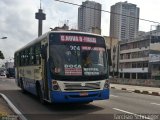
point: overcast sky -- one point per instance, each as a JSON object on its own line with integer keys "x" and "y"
{"x": 18, "y": 23}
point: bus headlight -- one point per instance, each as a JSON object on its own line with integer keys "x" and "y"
{"x": 106, "y": 84}
{"x": 55, "y": 85}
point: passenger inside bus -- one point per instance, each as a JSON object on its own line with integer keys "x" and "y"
{"x": 86, "y": 60}
{"x": 70, "y": 57}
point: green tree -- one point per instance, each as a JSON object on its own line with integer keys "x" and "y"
{"x": 1, "y": 55}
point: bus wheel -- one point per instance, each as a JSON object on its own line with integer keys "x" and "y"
{"x": 39, "y": 94}
{"x": 85, "y": 103}
{"x": 22, "y": 86}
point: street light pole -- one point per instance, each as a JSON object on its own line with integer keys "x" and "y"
{"x": 3, "y": 38}
{"x": 1, "y": 54}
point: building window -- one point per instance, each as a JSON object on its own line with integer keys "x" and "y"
{"x": 121, "y": 56}
{"x": 134, "y": 65}
{"x": 128, "y": 55}
{"x": 145, "y": 64}
{"x": 139, "y": 65}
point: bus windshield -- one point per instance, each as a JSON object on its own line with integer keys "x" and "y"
{"x": 77, "y": 60}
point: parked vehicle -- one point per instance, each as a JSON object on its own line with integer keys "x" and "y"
{"x": 2, "y": 74}
{"x": 10, "y": 72}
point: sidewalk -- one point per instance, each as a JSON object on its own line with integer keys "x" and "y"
{"x": 137, "y": 89}
{"x": 5, "y": 111}
{"x": 8, "y": 111}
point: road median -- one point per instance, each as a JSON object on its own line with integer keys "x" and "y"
{"x": 137, "y": 89}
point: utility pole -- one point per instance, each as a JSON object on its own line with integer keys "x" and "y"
{"x": 3, "y": 38}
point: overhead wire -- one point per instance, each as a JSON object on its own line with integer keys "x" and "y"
{"x": 106, "y": 11}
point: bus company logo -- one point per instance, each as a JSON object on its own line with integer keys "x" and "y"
{"x": 72, "y": 66}
{"x": 83, "y": 84}
{"x": 73, "y": 69}
{"x": 80, "y": 39}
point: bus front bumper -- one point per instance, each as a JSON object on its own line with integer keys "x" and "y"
{"x": 72, "y": 97}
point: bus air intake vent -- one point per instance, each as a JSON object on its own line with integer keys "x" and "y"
{"x": 81, "y": 86}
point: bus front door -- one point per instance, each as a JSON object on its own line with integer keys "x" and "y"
{"x": 44, "y": 73}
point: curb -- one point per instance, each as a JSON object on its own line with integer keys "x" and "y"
{"x": 15, "y": 110}
{"x": 145, "y": 92}
{"x": 123, "y": 89}
{"x": 155, "y": 94}
{"x": 139, "y": 91}
{"x": 113, "y": 87}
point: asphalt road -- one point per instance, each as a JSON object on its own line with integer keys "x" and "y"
{"x": 122, "y": 105}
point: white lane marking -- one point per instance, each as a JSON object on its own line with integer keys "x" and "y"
{"x": 155, "y": 103}
{"x": 114, "y": 96}
{"x": 136, "y": 115}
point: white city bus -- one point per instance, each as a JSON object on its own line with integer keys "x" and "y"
{"x": 64, "y": 66}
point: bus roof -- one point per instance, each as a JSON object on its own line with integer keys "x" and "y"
{"x": 46, "y": 35}
{"x": 84, "y": 33}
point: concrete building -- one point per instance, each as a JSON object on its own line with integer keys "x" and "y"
{"x": 89, "y": 17}
{"x": 112, "y": 44}
{"x": 95, "y": 30}
{"x": 140, "y": 58}
{"x": 123, "y": 27}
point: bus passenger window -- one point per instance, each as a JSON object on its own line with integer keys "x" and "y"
{"x": 37, "y": 60}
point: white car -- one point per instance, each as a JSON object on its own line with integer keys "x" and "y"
{"x": 2, "y": 74}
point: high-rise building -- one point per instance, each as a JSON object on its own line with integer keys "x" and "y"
{"x": 124, "y": 21}
{"x": 89, "y": 17}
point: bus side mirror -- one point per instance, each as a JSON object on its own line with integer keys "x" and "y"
{"x": 109, "y": 57}
{"x": 44, "y": 51}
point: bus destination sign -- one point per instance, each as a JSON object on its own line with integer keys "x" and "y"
{"x": 78, "y": 39}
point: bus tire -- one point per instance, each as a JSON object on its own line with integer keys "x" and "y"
{"x": 39, "y": 93}
{"x": 18, "y": 83}
{"x": 85, "y": 103}
{"x": 22, "y": 86}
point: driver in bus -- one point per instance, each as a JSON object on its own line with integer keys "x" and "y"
{"x": 86, "y": 60}
{"x": 68, "y": 56}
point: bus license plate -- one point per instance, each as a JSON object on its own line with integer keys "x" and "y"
{"x": 83, "y": 93}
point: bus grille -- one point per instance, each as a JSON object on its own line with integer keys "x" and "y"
{"x": 81, "y": 86}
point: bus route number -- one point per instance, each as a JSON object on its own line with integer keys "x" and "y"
{"x": 74, "y": 47}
